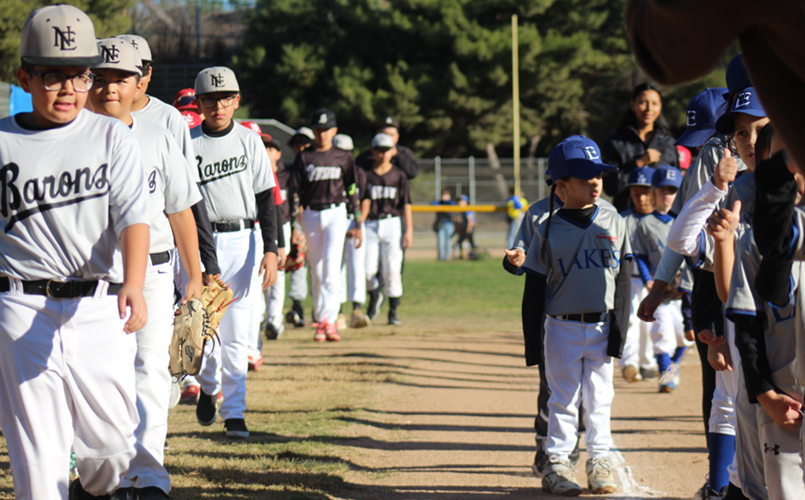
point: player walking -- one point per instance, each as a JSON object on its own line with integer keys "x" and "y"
{"x": 74, "y": 214}
{"x": 237, "y": 182}
{"x": 321, "y": 179}
{"x": 172, "y": 193}
{"x": 581, "y": 247}
{"x": 387, "y": 186}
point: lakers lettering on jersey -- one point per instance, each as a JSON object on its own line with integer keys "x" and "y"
{"x": 594, "y": 258}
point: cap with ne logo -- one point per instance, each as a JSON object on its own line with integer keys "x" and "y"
{"x": 323, "y": 118}
{"x": 140, "y": 44}
{"x": 746, "y": 102}
{"x": 216, "y": 79}
{"x": 579, "y": 157}
{"x": 120, "y": 55}
{"x": 666, "y": 175}
{"x": 640, "y": 177}
{"x": 59, "y": 35}
{"x": 703, "y": 111}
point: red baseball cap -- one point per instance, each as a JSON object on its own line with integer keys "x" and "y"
{"x": 254, "y": 127}
{"x": 193, "y": 118}
{"x": 684, "y": 157}
{"x": 185, "y": 99}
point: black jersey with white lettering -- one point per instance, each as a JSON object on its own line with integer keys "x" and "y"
{"x": 323, "y": 178}
{"x": 389, "y": 193}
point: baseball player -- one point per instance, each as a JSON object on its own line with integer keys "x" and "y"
{"x": 322, "y": 178}
{"x": 172, "y": 192}
{"x": 581, "y": 247}
{"x": 353, "y": 264}
{"x": 403, "y": 158}
{"x": 667, "y": 332}
{"x": 185, "y": 102}
{"x": 237, "y": 182}
{"x": 74, "y": 214}
{"x": 387, "y": 187}
{"x": 635, "y": 361}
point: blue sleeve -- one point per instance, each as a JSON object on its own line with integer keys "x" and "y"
{"x": 643, "y": 269}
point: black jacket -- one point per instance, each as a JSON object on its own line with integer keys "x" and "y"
{"x": 404, "y": 159}
{"x": 623, "y": 148}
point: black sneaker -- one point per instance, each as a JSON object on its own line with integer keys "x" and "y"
{"x": 236, "y": 428}
{"x": 77, "y": 492}
{"x": 375, "y": 302}
{"x": 122, "y": 494}
{"x": 151, "y": 493}
{"x": 206, "y": 409}
{"x": 271, "y": 332}
{"x": 298, "y": 314}
{"x": 393, "y": 320}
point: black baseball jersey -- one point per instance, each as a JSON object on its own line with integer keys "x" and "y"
{"x": 323, "y": 177}
{"x": 284, "y": 176}
{"x": 389, "y": 193}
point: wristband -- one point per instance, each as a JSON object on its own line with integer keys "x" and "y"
{"x": 357, "y": 215}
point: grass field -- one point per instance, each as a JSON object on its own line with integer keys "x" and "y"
{"x": 302, "y": 402}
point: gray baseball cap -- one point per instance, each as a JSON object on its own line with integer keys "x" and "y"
{"x": 343, "y": 141}
{"x": 119, "y": 54}
{"x": 59, "y": 35}
{"x": 382, "y": 141}
{"x": 216, "y": 79}
{"x": 139, "y": 43}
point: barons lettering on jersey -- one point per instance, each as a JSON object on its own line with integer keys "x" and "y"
{"x": 152, "y": 181}
{"x": 315, "y": 173}
{"x": 383, "y": 192}
{"x": 219, "y": 169}
{"x": 39, "y": 195}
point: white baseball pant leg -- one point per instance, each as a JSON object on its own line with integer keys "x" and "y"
{"x": 383, "y": 238}
{"x": 578, "y": 370}
{"x": 224, "y": 368}
{"x": 749, "y": 459}
{"x": 66, "y": 381}
{"x": 298, "y": 282}
{"x": 153, "y": 382}
{"x": 668, "y": 328}
{"x": 356, "y": 268}
{"x": 325, "y": 231}
{"x": 723, "y": 419}
{"x": 259, "y": 305}
{"x": 781, "y": 458}
{"x": 275, "y": 295}
{"x": 631, "y": 348}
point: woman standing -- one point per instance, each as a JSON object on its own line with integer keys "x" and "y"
{"x": 642, "y": 139}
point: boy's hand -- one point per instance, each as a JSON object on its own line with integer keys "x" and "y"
{"x": 726, "y": 171}
{"x": 515, "y": 257}
{"x": 710, "y": 338}
{"x": 783, "y": 409}
{"x": 719, "y": 357}
{"x": 282, "y": 256}
{"x": 268, "y": 269}
{"x": 408, "y": 239}
{"x": 690, "y": 336}
{"x": 207, "y": 278}
{"x": 652, "y": 301}
{"x": 135, "y": 301}
{"x": 722, "y": 224}
{"x": 192, "y": 289}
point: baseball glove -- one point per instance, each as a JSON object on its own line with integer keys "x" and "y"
{"x": 296, "y": 257}
{"x": 195, "y": 325}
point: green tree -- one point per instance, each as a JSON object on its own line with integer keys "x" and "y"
{"x": 109, "y": 17}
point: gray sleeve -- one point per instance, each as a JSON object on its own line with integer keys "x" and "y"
{"x": 670, "y": 264}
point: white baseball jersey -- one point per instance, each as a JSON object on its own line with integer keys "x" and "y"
{"x": 167, "y": 116}
{"x": 583, "y": 262}
{"x": 536, "y": 215}
{"x": 171, "y": 186}
{"x": 233, "y": 168}
{"x": 62, "y": 209}
{"x": 779, "y": 323}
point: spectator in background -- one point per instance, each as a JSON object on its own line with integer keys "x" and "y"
{"x": 642, "y": 139}
{"x": 403, "y": 158}
{"x": 516, "y": 207}
{"x": 443, "y": 226}
{"x": 465, "y": 225}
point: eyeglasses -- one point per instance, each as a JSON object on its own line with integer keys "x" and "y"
{"x": 212, "y": 102}
{"x": 55, "y": 81}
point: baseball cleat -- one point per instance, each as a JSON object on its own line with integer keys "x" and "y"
{"x": 393, "y": 320}
{"x": 271, "y": 332}
{"x": 331, "y": 333}
{"x": 358, "y": 319}
{"x": 236, "y": 428}
{"x": 558, "y": 478}
{"x": 206, "y": 409}
{"x": 76, "y": 492}
{"x": 648, "y": 373}
{"x": 599, "y": 476}
{"x": 190, "y": 395}
{"x": 151, "y": 493}
{"x": 341, "y": 322}
{"x": 321, "y": 333}
{"x": 255, "y": 362}
{"x": 375, "y": 302}
{"x": 631, "y": 373}
{"x": 669, "y": 380}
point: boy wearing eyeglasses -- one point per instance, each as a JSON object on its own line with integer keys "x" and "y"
{"x": 74, "y": 245}
{"x": 237, "y": 182}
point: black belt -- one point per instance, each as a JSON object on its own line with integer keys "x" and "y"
{"x": 60, "y": 289}
{"x": 160, "y": 258}
{"x": 230, "y": 226}
{"x": 599, "y": 317}
{"x": 322, "y": 206}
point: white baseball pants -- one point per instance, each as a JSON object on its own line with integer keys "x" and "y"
{"x": 325, "y": 231}
{"x": 153, "y": 382}
{"x": 66, "y": 381}
{"x": 668, "y": 330}
{"x": 638, "y": 349}
{"x": 383, "y": 245}
{"x": 225, "y": 367}
{"x": 749, "y": 459}
{"x": 258, "y": 298}
{"x": 578, "y": 370}
{"x": 298, "y": 281}
{"x": 353, "y": 269}
{"x": 275, "y": 295}
{"x": 781, "y": 458}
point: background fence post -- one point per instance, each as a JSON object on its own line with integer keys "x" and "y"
{"x": 472, "y": 180}
{"x": 438, "y": 183}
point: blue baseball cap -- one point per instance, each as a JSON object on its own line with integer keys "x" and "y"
{"x": 748, "y": 103}
{"x": 737, "y": 77}
{"x": 579, "y": 157}
{"x": 703, "y": 111}
{"x": 666, "y": 175}
{"x": 640, "y": 177}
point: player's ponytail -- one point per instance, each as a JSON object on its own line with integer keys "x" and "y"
{"x": 544, "y": 249}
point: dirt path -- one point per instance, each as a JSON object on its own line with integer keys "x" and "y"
{"x": 455, "y": 421}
